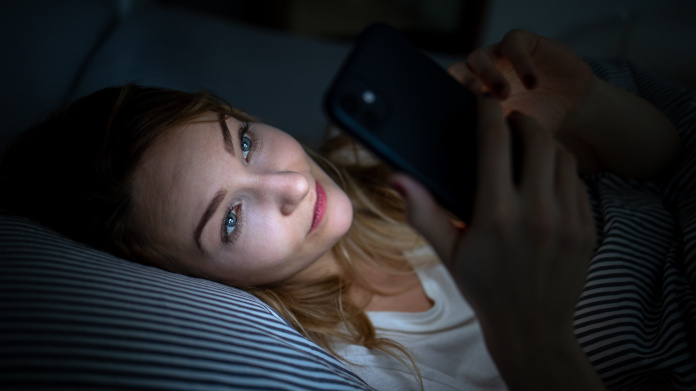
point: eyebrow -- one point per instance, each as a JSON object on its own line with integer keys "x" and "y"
{"x": 220, "y": 194}
{"x": 229, "y": 145}
{"x": 209, "y": 212}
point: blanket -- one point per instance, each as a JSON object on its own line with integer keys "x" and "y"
{"x": 636, "y": 318}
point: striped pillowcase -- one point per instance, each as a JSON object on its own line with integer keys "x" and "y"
{"x": 73, "y": 317}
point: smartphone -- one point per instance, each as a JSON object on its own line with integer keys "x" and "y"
{"x": 406, "y": 108}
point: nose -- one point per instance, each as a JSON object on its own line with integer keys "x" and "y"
{"x": 286, "y": 188}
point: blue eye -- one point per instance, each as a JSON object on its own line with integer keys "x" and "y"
{"x": 230, "y": 223}
{"x": 245, "y": 145}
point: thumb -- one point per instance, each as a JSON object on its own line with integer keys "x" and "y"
{"x": 426, "y": 216}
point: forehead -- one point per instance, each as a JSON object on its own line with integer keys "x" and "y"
{"x": 176, "y": 179}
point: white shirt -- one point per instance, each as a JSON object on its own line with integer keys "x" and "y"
{"x": 446, "y": 342}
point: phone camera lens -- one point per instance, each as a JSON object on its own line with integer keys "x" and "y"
{"x": 369, "y": 97}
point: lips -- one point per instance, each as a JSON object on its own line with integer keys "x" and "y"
{"x": 319, "y": 207}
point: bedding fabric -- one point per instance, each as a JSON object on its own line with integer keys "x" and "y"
{"x": 75, "y": 318}
{"x": 636, "y": 319}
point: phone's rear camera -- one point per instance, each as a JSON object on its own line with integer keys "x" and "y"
{"x": 369, "y": 97}
{"x": 363, "y": 103}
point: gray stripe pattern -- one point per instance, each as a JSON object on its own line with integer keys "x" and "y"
{"x": 72, "y": 317}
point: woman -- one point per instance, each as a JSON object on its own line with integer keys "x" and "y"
{"x": 189, "y": 184}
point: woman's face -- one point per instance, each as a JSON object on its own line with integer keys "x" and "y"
{"x": 241, "y": 203}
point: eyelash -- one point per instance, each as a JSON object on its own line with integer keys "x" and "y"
{"x": 237, "y": 228}
{"x": 247, "y": 130}
{"x": 244, "y": 130}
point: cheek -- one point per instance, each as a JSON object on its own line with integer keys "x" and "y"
{"x": 269, "y": 253}
{"x": 273, "y": 243}
{"x": 341, "y": 212}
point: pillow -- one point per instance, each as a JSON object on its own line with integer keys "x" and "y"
{"x": 73, "y": 317}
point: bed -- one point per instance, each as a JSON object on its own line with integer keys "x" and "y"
{"x": 72, "y": 317}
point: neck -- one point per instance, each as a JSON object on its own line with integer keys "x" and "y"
{"x": 374, "y": 288}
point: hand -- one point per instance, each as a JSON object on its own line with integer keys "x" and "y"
{"x": 525, "y": 254}
{"x": 531, "y": 74}
{"x": 605, "y": 127}
{"x": 522, "y": 261}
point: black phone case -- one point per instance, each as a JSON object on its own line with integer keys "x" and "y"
{"x": 411, "y": 113}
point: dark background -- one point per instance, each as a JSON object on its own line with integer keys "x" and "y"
{"x": 451, "y": 26}
{"x": 276, "y": 57}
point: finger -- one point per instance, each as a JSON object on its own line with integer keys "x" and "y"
{"x": 517, "y": 47}
{"x": 587, "y": 223}
{"x": 571, "y": 188}
{"x": 586, "y": 211}
{"x": 481, "y": 63}
{"x": 567, "y": 183}
{"x": 584, "y": 204}
{"x": 572, "y": 194}
{"x": 426, "y": 216}
{"x": 538, "y": 154}
{"x": 494, "y": 171}
{"x": 463, "y": 75}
